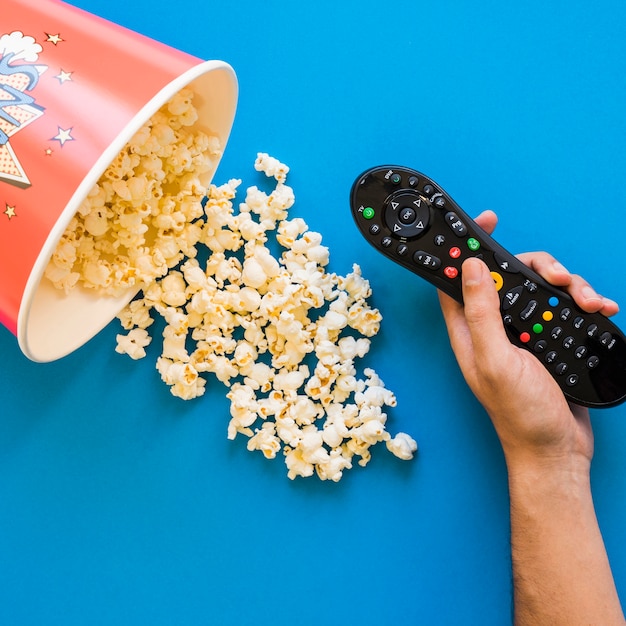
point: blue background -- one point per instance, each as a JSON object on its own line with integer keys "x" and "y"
{"x": 120, "y": 504}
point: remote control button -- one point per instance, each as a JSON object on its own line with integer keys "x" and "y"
{"x": 547, "y": 316}
{"x": 451, "y": 272}
{"x": 402, "y": 249}
{"x": 592, "y": 330}
{"x": 537, "y": 328}
{"x": 457, "y": 226}
{"x": 607, "y": 340}
{"x": 592, "y": 362}
{"x": 541, "y": 345}
{"x": 528, "y": 311}
{"x": 375, "y": 229}
{"x": 511, "y": 296}
{"x": 368, "y": 213}
{"x": 568, "y": 342}
{"x": 530, "y": 286}
{"x": 413, "y": 180}
{"x": 524, "y": 337}
{"x": 455, "y": 252}
{"x": 553, "y": 301}
{"x": 407, "y": 215}
{"x": 565, "y": 314}
{"x": 438, "y": 200}
{"x": 557, "y": 331}
{"x": 571, "y": 380}
{"x": 428, "y": 189}
{"x": 581, "y": 352}
{"x": 507, "y": 319}
{"x": 385, "y": 242}
{"x": 498, "y": 280}
{"x": 396, "y": 179}
{"x": 504, "y": 264}
{"x": 579, "y": 322}
{"x": 426, "y": 260}
{"x": 551, "y": 356}
{"x": 561, "y": 368}
{"x": 439, "y": 240}
{"x": 473, "y": 244}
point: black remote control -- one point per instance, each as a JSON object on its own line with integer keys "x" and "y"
{"x": 414, "y": 222}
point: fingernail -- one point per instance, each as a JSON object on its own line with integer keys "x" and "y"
{"x": 559, "y": 267}
{"x": 608, "y": 302}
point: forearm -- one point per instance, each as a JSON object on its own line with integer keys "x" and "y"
{"x": 560, "y": 567}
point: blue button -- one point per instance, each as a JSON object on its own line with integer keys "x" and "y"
{"x": 553, "y": 301}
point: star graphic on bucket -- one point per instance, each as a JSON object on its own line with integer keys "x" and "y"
{"x": 64, "y": 134}
{"x": 19, "y": 74}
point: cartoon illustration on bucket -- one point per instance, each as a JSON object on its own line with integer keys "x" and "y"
{"x": 19, "y": 75}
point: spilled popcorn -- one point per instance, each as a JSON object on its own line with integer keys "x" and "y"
{"x": 261, "y": 314}
{"x": 278, "y": 330}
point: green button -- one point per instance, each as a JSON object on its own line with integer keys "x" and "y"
{"x": 396, "y": 179}
{"x": 473, "y": 244}
{"x": 368, "y": 213}
{"x": 537, "y": 328}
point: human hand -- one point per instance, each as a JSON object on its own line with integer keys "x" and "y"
{"x": 528, "y": 409}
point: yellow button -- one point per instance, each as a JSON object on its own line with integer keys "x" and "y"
{"x": 547, "y": 316}
{"x": 498, "y": 280}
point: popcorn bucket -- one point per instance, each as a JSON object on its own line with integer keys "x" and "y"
{"x": 74, "y": 89}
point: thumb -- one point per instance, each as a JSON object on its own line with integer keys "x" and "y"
{"x": 482, "y": 311}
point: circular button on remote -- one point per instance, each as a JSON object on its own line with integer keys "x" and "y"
{"x": 407, "y": 214}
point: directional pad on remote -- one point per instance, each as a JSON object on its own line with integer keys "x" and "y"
{"x": 407, "y": 214}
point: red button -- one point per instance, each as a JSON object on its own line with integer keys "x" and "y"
{"x": 451, "y": 272}
{"x": 524, "y": 337}
{"x": 455, "y": 252}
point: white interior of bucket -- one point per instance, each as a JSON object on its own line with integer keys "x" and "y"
{"x": 52, "y": 324}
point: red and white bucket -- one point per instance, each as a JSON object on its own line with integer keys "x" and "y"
{"x": 74, "y": 89}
